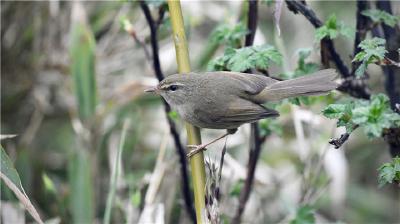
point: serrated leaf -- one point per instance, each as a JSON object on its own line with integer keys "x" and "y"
{"x": 334, "y": 111}
{"x": 389, "y": 172}
{"x": 331, "y": 29}
{"x": 373, "y": 50}
{"x": 381, "y": 16}
{"x": 239, "y": 60}
{"x": 229, "y": 35}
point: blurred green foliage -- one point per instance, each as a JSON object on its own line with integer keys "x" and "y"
{"x": 331, "y": 29}
{"x": 304, "y": 215}
{"x": 377, "y": 15}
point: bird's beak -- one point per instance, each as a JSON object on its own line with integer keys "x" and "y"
{"x": 152, "y": 90}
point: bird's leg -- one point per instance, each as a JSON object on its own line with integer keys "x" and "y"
{"x": 198, "y": 148}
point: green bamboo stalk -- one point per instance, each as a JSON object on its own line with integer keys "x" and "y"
{"x": 193, "y": 133}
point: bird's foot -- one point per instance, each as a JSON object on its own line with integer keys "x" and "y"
{"x": 195, "y": 149}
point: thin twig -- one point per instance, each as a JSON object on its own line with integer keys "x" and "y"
{"x": 338, "y": 142}
{"x": 160, "y": 76}
{"x": 255, "y": 147}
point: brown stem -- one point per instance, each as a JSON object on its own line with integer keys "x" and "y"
{"x": 175, "y": 134}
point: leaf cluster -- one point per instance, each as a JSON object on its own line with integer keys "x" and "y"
{"x": 373, "y": 115}
{"x": 389, "y": 172}
{"x": 229, "y": 35}
{"x": 331, "y": 29}
{"x": 377, "y": 16}
{"x": 373, "y": 51}
{"x": 269, "y": 126}
{"x": 242, "y": 59}
{"x": 304, "y": 215}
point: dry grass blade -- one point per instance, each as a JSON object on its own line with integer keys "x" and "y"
{"x": 11, "y": 178}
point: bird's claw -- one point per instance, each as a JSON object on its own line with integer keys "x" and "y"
{"x": 195, "y": 149}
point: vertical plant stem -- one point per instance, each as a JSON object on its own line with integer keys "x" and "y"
{"x": 115, "y": 174}
{"x": 186, "y": 194}
{"x": 256, "y": 142}
{"x": 193, "y": 133}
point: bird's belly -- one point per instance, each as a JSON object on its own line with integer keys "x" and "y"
{"x": 205, "y": 118}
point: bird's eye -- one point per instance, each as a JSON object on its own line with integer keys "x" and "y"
{"x": 173, "y": 87}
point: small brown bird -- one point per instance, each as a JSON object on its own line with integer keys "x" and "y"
{"x": 226, "y": 100}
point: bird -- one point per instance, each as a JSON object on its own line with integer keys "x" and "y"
{"x": 227, "y": 100}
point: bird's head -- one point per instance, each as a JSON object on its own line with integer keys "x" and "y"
{"x": 175, "y": 89}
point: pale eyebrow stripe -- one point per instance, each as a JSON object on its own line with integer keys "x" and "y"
{"x": 166, "y": 86}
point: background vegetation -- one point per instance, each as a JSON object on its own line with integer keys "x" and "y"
{"x": 90, "y": 146}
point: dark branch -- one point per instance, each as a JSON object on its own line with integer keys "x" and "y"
{"x": 175, "y": 135}
{"x": 392, "y": 73}
{"x": 392, "y": 44}
{"x": 251, "y": 23}
{"x": 362, "y": 26}
{"x": 256, "y": 142}
{"x": 329, "y": 52}
{"x": 338, "y": 142}
{"x": 299, "y": 7}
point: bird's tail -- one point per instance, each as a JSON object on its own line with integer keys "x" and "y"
{"x": 318, "y": 83}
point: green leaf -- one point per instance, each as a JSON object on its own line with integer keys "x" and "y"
{"x": 374, "y": 115}
{"x": 373, "y": 50}
{"x": 81, "y": 197}
{"x": 82, "y": 54}
{"x": 173, "y": 115}
{"x": 381, "y": 16}
{"x": 347, "y": 31}
{"x": 304, "y": 215}
{"x": 389, "y": 172}
{"x": 242, "y": 59}
{"x": 10, "y": 176}
{"x": 335, "y": 111}
{"x": 229, "y": 35}
{"x": 136, "y": 198}
{"x": 331, "y": 29}
{"x": 269, "y": 126}
{"x": 48, "y": 184}
{"x": 236, "y": 188}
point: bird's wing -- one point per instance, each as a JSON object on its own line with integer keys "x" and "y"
{"x": 241, "y": 111}
{"x": 248, "y": 83}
